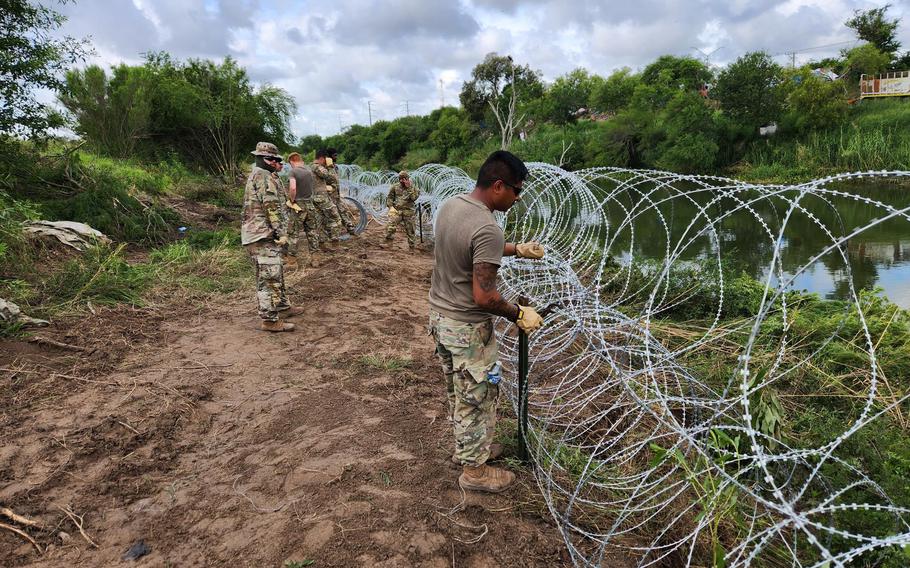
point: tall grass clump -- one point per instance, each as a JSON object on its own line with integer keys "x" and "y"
{"x": 14, "y": 247}
{"x": 876, "y": 137}
{"x": 101, "y": 276}
{"x": 198, "y": 272}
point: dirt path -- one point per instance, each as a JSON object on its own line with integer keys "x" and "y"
{"x": 219, "y": 445}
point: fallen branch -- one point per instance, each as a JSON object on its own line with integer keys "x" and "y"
{"x": 53, "y": 343}
{"x": 9, "y": 514}
{"x": 73, "y": 517}
{"x": 22, "y": 534}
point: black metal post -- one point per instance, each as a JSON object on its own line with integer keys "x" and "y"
{"x": 522, "y": 395}
{"x": 420, "y": 221}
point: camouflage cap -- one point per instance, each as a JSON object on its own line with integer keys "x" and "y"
{"x": 266, "y": 149}
{"x": 404, "y": 174}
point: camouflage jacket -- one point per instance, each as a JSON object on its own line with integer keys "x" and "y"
{"x": 402, "y": 198}
{"x": 263, "y": 203}
{"x": 333, "y": 176}
{"x": 321, "y": 178}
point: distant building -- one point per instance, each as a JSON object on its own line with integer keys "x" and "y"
{"x": 893, "y": 84}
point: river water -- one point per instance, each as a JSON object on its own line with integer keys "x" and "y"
{"x": 878, "y": 255}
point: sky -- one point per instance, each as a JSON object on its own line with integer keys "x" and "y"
{"x": 342, "y": 60}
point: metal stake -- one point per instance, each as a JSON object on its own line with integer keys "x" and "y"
{"x": 522, "y": 395}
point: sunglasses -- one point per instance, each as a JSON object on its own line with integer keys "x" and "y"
{"x": 270, "y": 159}
{"x": 516, "y": 189}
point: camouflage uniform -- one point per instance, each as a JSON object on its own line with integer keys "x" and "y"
{"x": 467, "y": 351}
{"x": 262, "y": 223}
{"x": 329, "y": 220}
{"x": 402, "y": 199}
{"x": 335, "y": 196}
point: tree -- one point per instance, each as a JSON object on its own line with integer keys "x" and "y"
{"x": 452, "y": 131}
{"x": 208, "y": 113}
{"x": 815, "y": 103}
{"x": 500, "y": 86}
{"x": 690, "y": 145}
{"x": 615, "y": 93}
{"x": 570, "y": 93}
{"x": 29, "y": 59}
{"x": 865, "y": 59}
{"x": 749, "y": 90}
{"x": 677, "y": 72}
{"x": 112, "y": 115}
{"x": 872, "y": 26}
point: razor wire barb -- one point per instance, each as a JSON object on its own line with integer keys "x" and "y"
{"x": 634, "y": 448}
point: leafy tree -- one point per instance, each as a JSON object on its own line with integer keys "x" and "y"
{"x": 208, "y": 113}
{"x": 814, "y": 103}
{"x": 865, "y": 59}
{"x": 30, "y": 58}
{"x": 614, "y": 93}
{"x": 674, "y": 72}
{"x": 491, "y": 83}
{"x": 690, "y": 145}
{"x": 749, "y": 90}
{"x": 452, "y": 131}
{"x": 872, "y": 26}
{"x": 113, "y": 115}
{"x": 570, "y": 93}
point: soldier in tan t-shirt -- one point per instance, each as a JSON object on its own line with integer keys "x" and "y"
{"x": 463, "y": 300}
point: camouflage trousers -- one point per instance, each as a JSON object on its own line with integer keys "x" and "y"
{"x": 467, "y": 351}
{"x": 343, "y": 212}
{"x": 306, "y": 221}
{"x": 270, "y": 292}
{"x": 405, "y": 218}
{"x": 329, "y": 221}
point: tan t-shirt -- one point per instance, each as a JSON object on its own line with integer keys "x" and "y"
{"x": 466, "y": 233}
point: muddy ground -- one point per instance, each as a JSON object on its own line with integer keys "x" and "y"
{"x": 220, "y": 445}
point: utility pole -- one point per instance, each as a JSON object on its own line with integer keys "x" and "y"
{"x": 370, "y": 111}
{"x": 442, "y": 95}
{"x": 407, "y": 108}
{"x": 793, "y": 60}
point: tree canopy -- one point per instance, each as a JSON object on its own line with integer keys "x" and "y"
{"x": 30, "y": 58}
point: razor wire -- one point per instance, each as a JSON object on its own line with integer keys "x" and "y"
{"x": 636, "y": 451}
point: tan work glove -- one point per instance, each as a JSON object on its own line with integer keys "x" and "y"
{"x": 329, "y": 162}
{"x": 330, "y": 188}
{"x": 293, "y": 205}
{"x": 282, "y": 240}
{"x": 531, "y": 249}
{"x": 393, "y": 212}
{"x": 528, "y": 319}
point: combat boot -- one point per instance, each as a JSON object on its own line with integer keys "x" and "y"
{"x": 291, "y": 312}
{"x": 485, "y": 478}
{"x": 276, "y": 326}
{"x": 291, "y": 263}
{"x": 495, "y": 453}
{"x": 386, "y": 244}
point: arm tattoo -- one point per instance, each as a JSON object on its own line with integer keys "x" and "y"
{"x": 485, "y": 274}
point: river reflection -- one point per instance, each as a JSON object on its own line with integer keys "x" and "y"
{"x": 746, "y": 229}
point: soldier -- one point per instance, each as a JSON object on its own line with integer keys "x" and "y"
{"x": 263, "y": 231}
{"x": 329, "y": 219}
{"x": 463, "y": 300}
{"x": 343, "y": 213}
{"x": 302, "y": 212}
{"x": 401, "y": 202}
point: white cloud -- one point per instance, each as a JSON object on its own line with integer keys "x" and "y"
{"x": 334, "y": 56}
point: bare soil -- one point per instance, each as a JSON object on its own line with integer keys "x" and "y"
{"x": 221, "y": 445}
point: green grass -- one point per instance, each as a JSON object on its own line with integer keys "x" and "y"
{"x": 384, "y": 362}
{"x": 875, "y": 137}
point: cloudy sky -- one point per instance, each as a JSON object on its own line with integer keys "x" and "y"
{"x": 337, "y": 56}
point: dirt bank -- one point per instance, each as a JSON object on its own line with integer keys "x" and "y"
{"x": 219, "y": 445}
